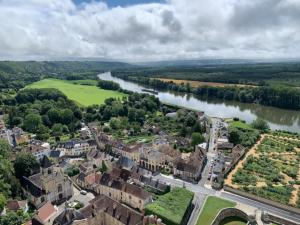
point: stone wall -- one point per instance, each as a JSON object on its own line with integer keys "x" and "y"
{"x": 229, "y": 212}
{"x": 268, "y": 218}
{"x": 262, "y": 200}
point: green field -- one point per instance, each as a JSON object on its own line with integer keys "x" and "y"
{"x": 85, "y": 95}
{"x": 240, "y": 124}
{"x": 211, "y": 209}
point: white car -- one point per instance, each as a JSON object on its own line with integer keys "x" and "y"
{"x": 83, "y": 192}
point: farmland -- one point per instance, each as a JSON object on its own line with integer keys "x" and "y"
{"x": 270, "y": 169}
{"x": 199, "y": 83}
{"x": 81, "y": 93}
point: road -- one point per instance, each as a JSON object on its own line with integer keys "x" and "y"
{"x": 201, "y": 189}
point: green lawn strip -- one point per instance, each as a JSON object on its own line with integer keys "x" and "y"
{"x": 240, "y": 124}
{"x": 213, "y": 205}
{"x": 83, "y": 94}
{"x": 171, "y": 207}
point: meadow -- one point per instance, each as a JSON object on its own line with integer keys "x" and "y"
{"x": 85, "y": 95}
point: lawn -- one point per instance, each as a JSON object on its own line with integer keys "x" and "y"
{"x": 212, "y": 207}
{"x": 241, "y": 124}
{"x": 85, "y": 95}
{"x": 171, "y": 207}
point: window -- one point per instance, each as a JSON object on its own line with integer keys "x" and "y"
{"x": 59, "y": 188}
{"x": 42, "y": 199}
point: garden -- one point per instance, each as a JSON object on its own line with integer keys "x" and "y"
{"x": 272, "y": 170}
{"x": 171, "y": 207}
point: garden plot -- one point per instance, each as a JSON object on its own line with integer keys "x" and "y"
{"x": 270, "y": 170}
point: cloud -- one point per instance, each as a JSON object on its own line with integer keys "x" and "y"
{"x": 177, "y": 29}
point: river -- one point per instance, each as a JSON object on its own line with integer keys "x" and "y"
{"x": 278, "y": 119}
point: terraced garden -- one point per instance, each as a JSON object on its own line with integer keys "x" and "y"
{"x": 271, "y": 170}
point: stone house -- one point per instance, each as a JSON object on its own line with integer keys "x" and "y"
{"x": 49, "y": 185}
{"x": 115, "y": 188}
{"x": 191, "y": 168}
{"x": 38, "y": 148}
{"x": 105, "y": 211}
{"x": 76, "y": 147}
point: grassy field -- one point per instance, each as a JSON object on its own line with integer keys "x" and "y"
{"x": 83, "y": 94}
{"x": 200, "y": 83}
{"x": 240, "y": 124}
{"x": 212, "y": 207}
{"x": 171, "y": 207}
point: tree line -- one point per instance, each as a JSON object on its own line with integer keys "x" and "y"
{"x": 277, "y": 96}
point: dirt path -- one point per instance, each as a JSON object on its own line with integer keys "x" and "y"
{"x": 295, "y": 196}
{"x": 253, "y": 152}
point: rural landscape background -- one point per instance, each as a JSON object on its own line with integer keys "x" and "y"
{"x": 149, "y": 112}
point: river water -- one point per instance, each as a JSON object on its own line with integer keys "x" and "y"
{"x": 280, "y": 119}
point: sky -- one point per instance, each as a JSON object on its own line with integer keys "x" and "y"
{"x": 144, "y": 30}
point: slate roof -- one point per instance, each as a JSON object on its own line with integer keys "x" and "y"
{"x": 45, "y": 162}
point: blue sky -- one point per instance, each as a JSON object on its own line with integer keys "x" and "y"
{"x": 113, "y": 3}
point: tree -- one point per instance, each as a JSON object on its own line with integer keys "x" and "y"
{"x": 25, "y": 165}
{"x": 67, "y": 116}
{"x": 260, "y": 124}
{"x": 54, "y": 115}
{"x": 197, "y": 138}
{"x": 11, "y": 218}
{"x": 57, "y": 130}
{"x": 2, "y": 201}
{"x": 4, "y": 149}
{"x": 103, "y": 167}
{"x": 32, "y": 122}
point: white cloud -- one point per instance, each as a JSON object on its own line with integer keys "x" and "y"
{"x": 178, "y": 29}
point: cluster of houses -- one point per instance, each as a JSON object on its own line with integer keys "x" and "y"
{"x": 228, "y": 155}
{"x": 160, "y": 156}
{"x": 121, "y": 189}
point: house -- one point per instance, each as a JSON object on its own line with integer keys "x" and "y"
{"x": 156, "y": 185}
{"x": 76, "y": 147}
{"x": 15, "y": 205}
{"x": 105, "y": 211}
{"x": 95, "y": 156}
{"x": 191, "y": 168}
{"x": 47, "y": 213}
{"x": 49, "y": 185}
{"x": 38, "y": 148}
{"x": 130, "y": 152}
{"x": 116, "y": 188}
{"x": 19, "y": 137}
{"x": 85, "y": 133}
{"x": 225, "y": 146}
{"x": 125, "y": 163}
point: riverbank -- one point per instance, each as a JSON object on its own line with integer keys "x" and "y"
{"x": 278, "y": 119}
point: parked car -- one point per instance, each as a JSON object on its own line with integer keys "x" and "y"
{"x": 83, "y": 192}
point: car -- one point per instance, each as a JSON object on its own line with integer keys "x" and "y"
{"x": 83, "y": 192}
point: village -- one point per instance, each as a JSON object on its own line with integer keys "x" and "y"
{"x": 96, "y": 177}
